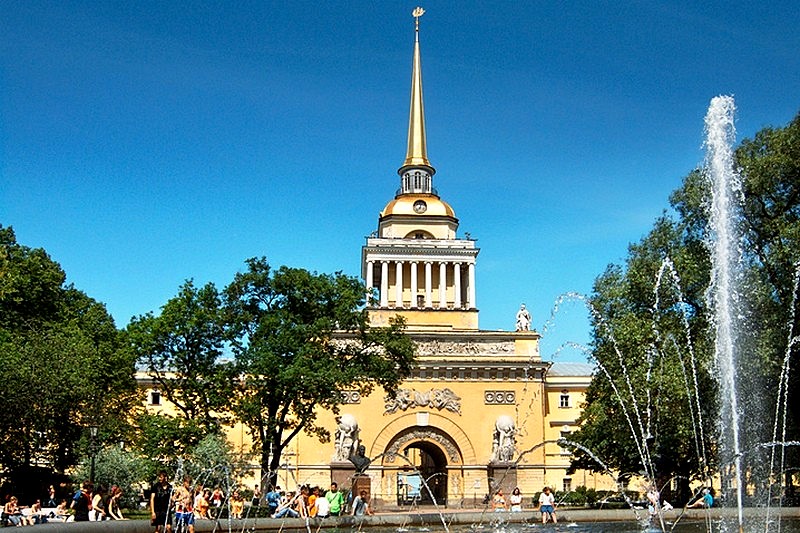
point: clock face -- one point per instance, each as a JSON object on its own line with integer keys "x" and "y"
{"x": 420, "y": 206}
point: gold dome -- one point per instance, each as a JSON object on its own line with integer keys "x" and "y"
{"x": 428, "y": 205}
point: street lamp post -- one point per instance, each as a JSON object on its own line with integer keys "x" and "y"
{"x": 92, "y": 449}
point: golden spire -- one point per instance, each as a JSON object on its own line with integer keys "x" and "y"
{"x": 417, "y": 152}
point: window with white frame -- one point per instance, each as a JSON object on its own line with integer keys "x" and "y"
{"x": 564, "y": 399}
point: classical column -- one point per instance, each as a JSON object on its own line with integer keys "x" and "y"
{"x": 414, "y": 285}
{"x": 471, "y": 287}
{"x": 370, "y": 281}
{"x": 428, "y": 285}
{"x": 384, "y": 284}
{"x": 398, "y": 289}
{"x": 442, "y": 285}
{"x": 457, "y": 285}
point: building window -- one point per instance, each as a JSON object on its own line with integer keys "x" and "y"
{"x": 564, "y": 400}
{"x": 566, "y": 485}
{"x": 155, "y": 397}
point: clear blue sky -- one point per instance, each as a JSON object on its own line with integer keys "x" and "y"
{"x": 143, "y": 143}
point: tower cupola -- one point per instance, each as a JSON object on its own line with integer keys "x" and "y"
{"x": 415, "y": 265}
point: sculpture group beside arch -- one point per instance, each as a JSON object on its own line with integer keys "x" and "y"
{"x": 504, "y": 439}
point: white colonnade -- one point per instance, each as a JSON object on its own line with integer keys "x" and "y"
{"x": 420, "y": 294}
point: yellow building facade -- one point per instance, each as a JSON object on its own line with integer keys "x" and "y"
{"x": 481, "y": 410}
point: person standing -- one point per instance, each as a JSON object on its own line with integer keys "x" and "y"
{"x": 51, "y": 497}
{"x": 201, "y": 504}
{"x": 256, "y": 496}
{"x": 184, "y": 505}
{"x": 160, "y": 498}
{"x": 98, "y": 511}
{"x": 313, "y": 496}
{"x": 323, "y": 507}
{"x": 335, "y": 499}
{"x": 82, "y": 502}
{"x": 547, "y": 506}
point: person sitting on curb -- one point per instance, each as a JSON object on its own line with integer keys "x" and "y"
{"x": 361, "y": 505}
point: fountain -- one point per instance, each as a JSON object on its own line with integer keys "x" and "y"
{"x": 725, "y": 286}
{"x": 724, "y": 298}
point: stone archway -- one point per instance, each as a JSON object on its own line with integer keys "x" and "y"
{"x": 423, "y": 458}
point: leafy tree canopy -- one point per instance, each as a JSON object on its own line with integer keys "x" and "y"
{"x": 272, "y": 349}
{"x": 62, "y": 362}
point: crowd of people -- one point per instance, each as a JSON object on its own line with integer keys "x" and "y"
{"x": 315, "y": 502}
{"x": 186, "y": 503}
{"x": 88, "y": 504}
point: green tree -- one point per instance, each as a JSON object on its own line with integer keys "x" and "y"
{"x": 114, "y": 465}
{"x": 643, "y": 413}
{"x": 62, "y": 363}
{"x": 770, "y": 165}
{"x": 299, "y": 339}
{"x": 166, "y": 440}
{"x": 181, "y": 350}
{"x": 213, "y": 462}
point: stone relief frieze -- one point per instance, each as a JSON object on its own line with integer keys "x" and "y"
{"x": 429, "y": 348}
{"x": 436, "y": 398}
{"x": 421, "y": 434}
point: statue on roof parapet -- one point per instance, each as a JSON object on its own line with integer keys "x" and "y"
{"x": 523, "y": 319}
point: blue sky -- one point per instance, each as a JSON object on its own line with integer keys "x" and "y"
{"x": 145, "y": 143}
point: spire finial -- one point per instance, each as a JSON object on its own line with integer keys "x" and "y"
{"x": 416, "y": 155}
{"x": 417, "y": 13}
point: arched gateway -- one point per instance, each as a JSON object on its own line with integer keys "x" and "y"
{"x": 423, "y": 456}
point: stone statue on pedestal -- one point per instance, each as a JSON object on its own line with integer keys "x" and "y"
{"x": 346, "y": 438}
{"x": 504, "y": 439}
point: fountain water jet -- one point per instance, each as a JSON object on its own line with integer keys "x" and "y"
{"x": 723, "y": 295}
